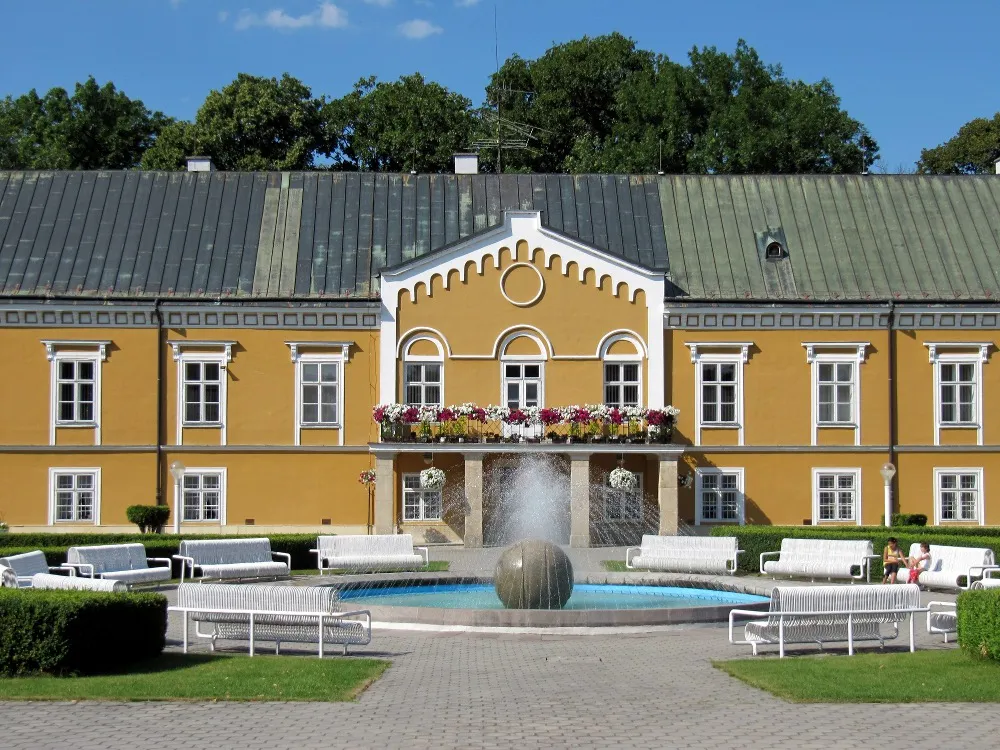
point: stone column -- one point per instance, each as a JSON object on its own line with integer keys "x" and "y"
{"x": 666, "y": 495}
{"x": 474, "y": 500}
{"x": 385, "y": 494}
{"x": 579, "y": 500}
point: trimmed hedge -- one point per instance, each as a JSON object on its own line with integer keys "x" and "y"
{"x": 979, "y": 623}
{"x": 908, "y": 519}
{"x": 149, "y": 518}
{"x": 78, "y": 632}
{"x": 55, "y": 545}
{"x": 754, "y": 540}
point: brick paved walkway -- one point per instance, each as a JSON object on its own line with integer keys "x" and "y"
{"x": 444, "y": 690}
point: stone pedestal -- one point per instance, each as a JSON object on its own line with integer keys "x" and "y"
{"x": 579, "y": 500}
{"x": 666, "y": 495}
{"x": 385, "y": 495}
{"x": 474, "y": 500}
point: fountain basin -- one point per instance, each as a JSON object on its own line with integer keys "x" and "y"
{"x": 473, "y": 603}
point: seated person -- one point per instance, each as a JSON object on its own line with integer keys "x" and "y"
{"x": 919, "y": 563}
{"x": 892, "y": 559}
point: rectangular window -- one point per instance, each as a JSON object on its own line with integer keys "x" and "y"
{"x": 75, "y": 390}
{"x": 74, "y": 495}
{"x": 719, "y": 381}
{"x": 719, "y": 495}
{"x": 623, "y": 506}
{"x": 423, "y": 383}
{"x": 420, "y": 504}
{"x": 522, "y": 384}
{"x": 202, "y": 495}
{"x": 835, "y": 393}
{"x": 202, "y": 392}
{"x": 836, "y": 495}
{"x": 320, "y": 393}
{"x": 621, "y": 384}
{"x": 958, "y": 386}
{"x": 959, "y": 495}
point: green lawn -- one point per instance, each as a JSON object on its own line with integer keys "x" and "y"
{"x": 936, "y": 676}
{"x": 615, "y": 566}
{"x": 205, "y": 677}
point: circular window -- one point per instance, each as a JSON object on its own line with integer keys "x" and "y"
{"x": 522, "y": 284}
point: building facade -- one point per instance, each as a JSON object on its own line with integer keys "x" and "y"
{"x": 240, "y": 329}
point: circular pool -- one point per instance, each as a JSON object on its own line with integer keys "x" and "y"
{"x": 475, "y": 603}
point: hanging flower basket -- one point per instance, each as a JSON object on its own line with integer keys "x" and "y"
{"x": 367, "y": 477}
{"x": 623, "y": 479}
{"x": 432, "y": 479}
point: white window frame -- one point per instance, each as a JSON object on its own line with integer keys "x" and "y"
{"x": 958, "y": 352}
{"x": 981, "y": 501}
{"x": 56, "y": 471}
{"x": 852, "y": 471}
{"x": 340, "y": 352}
{"x": 608, "y": 490}
{"x": 699, "y": 475}
{"x": 522, "y": 361}
{"x": 706, "y": 353}
{"x": 854, "y": 353}
{"x": 215, "y": 352}
{"x": 57, "y": 352}
{"x": 423, "y": 362}
{"x": 421, "y": 492}
{"x": 620, "y": 361}
{"x": 179, "y": 495}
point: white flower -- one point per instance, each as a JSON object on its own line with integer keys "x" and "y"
{"x": 633, "y": 413}
{"x": 672, "y": 411}
{"x": 623, "y": 479}
{"x": 497, "y": 413}
{"x": 428, "y": 413}
{"x": 432, "y": 479}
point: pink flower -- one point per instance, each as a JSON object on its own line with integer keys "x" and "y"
{"x": 549, "y": 416}
{"x": 411, "y": 415}
{"x": 378, "y": 414}
{"x": 615, "y": 416}
{"x": 446, "y": 415}
{"x": 580, "y": 416}
{"x": 478, "y": 414}
{"x": 516, "y": 416}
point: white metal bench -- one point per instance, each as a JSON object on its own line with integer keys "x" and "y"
{"x": 76, "y": 583}
{"x": 375, "y": 552}
{"x": 942, "y": 617}
{"x": 951, "y": 564}
{"x": 236, "y": 559}
{"x": 279, "y": 614}
{"x": 684, "y": 554}
{"x": 828, "y": 614}
{"x": 28, "y": 564}
{"x": 821, "y": 558}
{"x": 120, "y": 562}
{"x": 989, "y": 580}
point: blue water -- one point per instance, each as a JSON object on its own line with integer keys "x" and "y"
{"x": 585, "y": 596}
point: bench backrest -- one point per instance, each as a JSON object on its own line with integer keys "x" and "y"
{"x": 109, "y": 558}
{"x": 957, "y": 559}
{"x": 226, "y": 551}
{"x": 26, "y": 564}
{"x": 259, "y": 598}
{"x": 654, "y": 545}
{"x": 827, "y": 549}
{"x": 855, "y": 598}
{"x": 358, "y": 545}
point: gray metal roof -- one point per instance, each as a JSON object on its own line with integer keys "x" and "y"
{"x": 327, "y": 235}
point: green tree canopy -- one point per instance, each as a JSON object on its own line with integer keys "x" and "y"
{"x": 254, "y": 123}
{"x": 971, "y": 151}
{"x": 97, "y": 127}
{"x": 400, "y": 125}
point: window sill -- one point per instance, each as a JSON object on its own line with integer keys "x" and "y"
{"x": 959, "y": 426}
{"x": 710, "y": 521}
{"x": 835, "y": 522}
{"x": 422, "y": 521}
{"x": 311, "y": 426}
{"x": 720, "y": 426}
{"x": 76, "y": 425}
{"x": 836, "y": 426}
{"x": 201, "y": 425}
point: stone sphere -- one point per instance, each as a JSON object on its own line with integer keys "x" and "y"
{"x": 534, "y": 574}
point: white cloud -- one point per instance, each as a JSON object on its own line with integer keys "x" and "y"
{"x": 223, "y": 16}
{"x": 327, "y": 16}
{"x": 380, "y": 3}
{"x": 418, "y": 28}
{"x": 466, "y": 3}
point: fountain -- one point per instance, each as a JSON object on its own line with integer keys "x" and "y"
{"x": 534, "y": 574}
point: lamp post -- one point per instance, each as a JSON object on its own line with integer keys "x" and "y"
{"x": 177, "y": 472}
{"x": 888, "y": 471}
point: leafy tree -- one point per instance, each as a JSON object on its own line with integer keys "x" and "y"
{"x": 254, "y": 123}
{"x": 97, "y": 127}
{"x": 971, "y": 151}
{"x": 397, "y": 126}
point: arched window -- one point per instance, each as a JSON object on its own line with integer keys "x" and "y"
{"x": 522, "y": 371}
{"x": 423, "y": 372}
{"x": 621, "y": 357}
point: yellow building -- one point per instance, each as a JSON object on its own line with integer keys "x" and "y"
{"x": 240, "y": 329}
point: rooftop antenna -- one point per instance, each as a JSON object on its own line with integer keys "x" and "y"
{"x": 508, "y": 133}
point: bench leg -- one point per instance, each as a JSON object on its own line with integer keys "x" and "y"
{"x": 185, "y": 631}
{"x": 320, "y": 639}
{"x": 251, "y": 635}
{"x": 850, "y": 636}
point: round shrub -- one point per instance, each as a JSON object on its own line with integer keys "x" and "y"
{"x": 149, "y": 518}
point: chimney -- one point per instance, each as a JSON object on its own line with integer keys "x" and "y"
{"x": 200, "y": 164}
{"x": 466, "y": 163}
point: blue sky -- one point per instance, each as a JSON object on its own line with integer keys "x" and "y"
{"x": 913, "y": 71}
